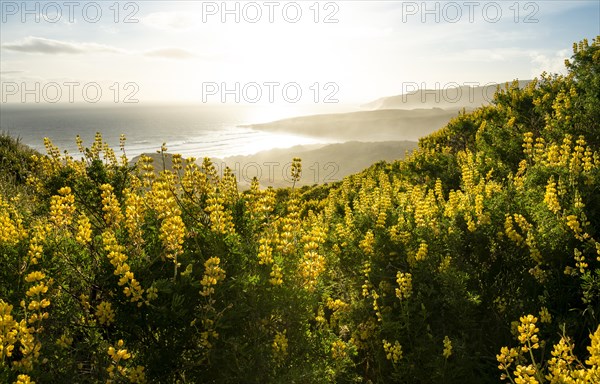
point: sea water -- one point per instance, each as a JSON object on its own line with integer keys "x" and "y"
{"x": 191, "y": 130}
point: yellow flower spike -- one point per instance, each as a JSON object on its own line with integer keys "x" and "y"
{"x": 366, "y": 244}
{"x": 280, "y": 345}
{"x": 422, "y": 251}
{"x": 276, "y": 275}
{"x": 213, "y": 273}
{"x": 447, "y": 347}
{"x": 265, "y": 252}
{"x": 545, "y": 316}
{"x": 338, "y": 350}
{"x": 528, "y": 333}
{"x": 105, "y": 313}
{"x": 393, "y": 352}
{"x": 24, "y": 379}
{"x": 110, "y": 205}
{"x": 84, "y": 230}
{"x": 35, "y": 276}
{"x": 404, "y": 281}
{"x": 594, "y": 350}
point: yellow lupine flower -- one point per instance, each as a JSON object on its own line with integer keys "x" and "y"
{"x": 213, "y": 273}
{"x": 338, "y": 350}
{"x": 64, "y": 341}
{"x": 280, "y": 344}
{"x": 11, "y": 229}
{"x": 545, "y": 316}
{"x": 276, "y": 275}
{"x": 172, "y": 235}
{"x": 105, "y": 313}
{"x": 265, "y": 252}
{"x": 506, "y": 357}
{"x": 62, "y": 207}
{"x": 525, "y": 374}
{"x": 404, "y": 281}
{"x": 528, "y": 333}
{"x": 366, "y": 244}
{"x": 84, "y": 230}
{"x": 594, "y": 350}
{"x": 24, "y": 379}
{"x": 110, "y": 205}
{"x": 393, "y": 352}
{"x": 8, "y": 330}
{"x": 422, "y": 251}
{"x": 35, "y": 276}
{"x": 447, "y": 347}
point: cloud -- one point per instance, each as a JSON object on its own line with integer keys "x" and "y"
{"x": 170, "y": 53}
{"x": 170, "y": 20}
{"x": 551, "y": 63}
{"x": 42, "y": 45}
{"x": 486, "y": 55}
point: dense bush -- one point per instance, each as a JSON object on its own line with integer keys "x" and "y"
{"x": 424, "y": 270}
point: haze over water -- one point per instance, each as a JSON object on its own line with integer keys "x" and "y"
{"x": 191, "y": 130}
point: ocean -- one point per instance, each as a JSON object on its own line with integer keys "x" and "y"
{"x": 191, "y": 130}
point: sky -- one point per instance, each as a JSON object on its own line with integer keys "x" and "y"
{"x": 271, "y": 52}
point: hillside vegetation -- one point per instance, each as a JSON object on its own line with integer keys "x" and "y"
{"x": 474, "y": 260}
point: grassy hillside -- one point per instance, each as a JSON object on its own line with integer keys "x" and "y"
{"x": 327, "y": 164}
{"x": 474, "y": 260}
{"x": 444, "y": 97}
{"x": 381, "y": 125}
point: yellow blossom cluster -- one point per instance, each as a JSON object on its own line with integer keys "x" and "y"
{"x": 84, "y": 230}
{"x": 8, "y": 331}
{"x": 550, "y": 197}
{"x": 404, "y": 290}
{"x": 118, "y": 370}
{"x": 422, "y": 251}
{"x": 290, "y": 227}
{"x": 110, "y": 206}
{"x": 36, "y": 248}
{"x": 366, "y": 244}
{"x": 545, "y": 316}
{"x": 525, "y": 374}
{"x": 276, "y": 275}
{"x": 213, "y": 273}
{"x": 338, "y": 307}
{"x": 117, "y": 257}
{"x": 265, "y": 251}
{"x": 339, "y": 350}
{"x": 312, "y": 263}
{"x": 105, "y": 313}
{"x": 164, "y": 202}
{"x": 11, "y": 225}
{"x": 506, "y": 358}
{"x": 134, "y": 215}
{"x": 260, "y": 203}
{"x": 228, "y": 187}
{"x": 24, "y": 379}
{"x": 447, "y": 347}
{"x": 280, "y": 345}
{"x": 220, "y": 219}
{"x": 64, "y": 341}
{"x": 172, "y": 235}
{"x": 575, "y": 226}
{"x": 296, "y": 169}
{"x": 392, "y": 352}
{"x": 580, "y": 262}
{"x": 38, "y": 303}
{"x": 528, "y": 333}
{"x": 62, "y": 207}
